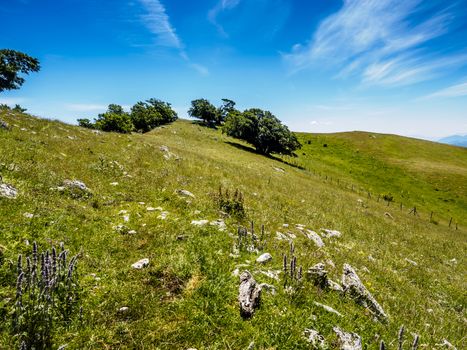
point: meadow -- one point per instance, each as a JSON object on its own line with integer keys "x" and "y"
{"x": 187, "y": 296}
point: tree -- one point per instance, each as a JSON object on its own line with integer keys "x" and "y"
{"x": 204, "y": 110}
{"x": 86, "y": 123}
{"x": 11, "y": 64}
{"x": 228, "y": 106}
{"x": 115, "y": 119}
{"x": 152, "y": 113}
{"x": 261, "y": 129}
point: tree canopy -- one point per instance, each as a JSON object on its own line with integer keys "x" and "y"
{"x": 144, "y": 117}
{"x": 204, "y": 110}
{"x": 152, "y": 113}
{"x": 115, "y": 119}
{"x": 12, "y": 63}
{"x": 261, "y": 129}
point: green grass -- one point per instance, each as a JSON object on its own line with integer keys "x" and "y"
{"x": 187, "y": 297}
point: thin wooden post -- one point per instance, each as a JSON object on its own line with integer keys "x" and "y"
{"x": 450, "y": 222}
{"x": 401, "y": 206}
{"x": 431, "y": 216}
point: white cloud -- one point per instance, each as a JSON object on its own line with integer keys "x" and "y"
{"x": 457, "y": 90}
{"x": 199, "y": 68}
{"x": 374, "y": 39}
{"x": 221, "y": 6}
{"x": 157, "y": 22}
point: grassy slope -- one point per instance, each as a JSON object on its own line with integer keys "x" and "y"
{"x": 428, "y": 175}
{"x": 187, "y": 296}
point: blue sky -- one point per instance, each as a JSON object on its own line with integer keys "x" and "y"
{"x": 320, "y": 66}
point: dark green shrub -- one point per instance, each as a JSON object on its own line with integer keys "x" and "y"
{"x": 148, "y": 115}
{"x": 261, "y": 129}
{"x": 115, "y": 119}
{"x": 86, "y": 123}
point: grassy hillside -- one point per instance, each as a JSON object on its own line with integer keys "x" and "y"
{"x": 427, "y": 175}
{"x": 187, "y": 296}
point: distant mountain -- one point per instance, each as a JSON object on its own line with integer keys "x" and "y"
{"x": 456, "y": 140}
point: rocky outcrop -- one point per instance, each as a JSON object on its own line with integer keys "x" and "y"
{"x": 348, "y": 341}
{"x": 319, "y": 276}
{"x": 315, "y": 339}
{"x": 249, "y": 295}
{"x": 264, "y": 258}
{"x": 357, "y": 291}
{"x": 140, "y": 264}
{"x": 7, "y": 191}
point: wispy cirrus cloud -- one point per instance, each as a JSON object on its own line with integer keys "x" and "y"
{"x": 221, "y": 6}
{"x": 457, "y": 90}
{"x": 381, "y": 41}
{"x": 157, "y": 21}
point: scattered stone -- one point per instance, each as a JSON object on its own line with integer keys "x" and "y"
{"x": 348, "y": 341}
{"x": 264, "y": 258}
{"x": 126, "y": 218}
{"x": 28, "y": 215}
{"x": 4, "y": 125}
{"x": 411, "y": 262}
{"x": 181, "y": 238}
{"x": 447, "y": 344}
{"x": 75, "y": 188}
{"x": 318, "y": 275}
{"x": 122, "y": 229}
{"x": 331, "y": 233}
{"x": 113, "y": 184}
{"x": 8, "y": 191}
{"x": 163, "y": 215}
{"x": 280, "y": 236}
{"x": 153, "y": 209}
{"x": 132, "y": 232}
{"x": 268, "y": 287}
{"x": 249, "y": 295}
{"x": 285, "y": 225}
{"x": 140, "y": 264}
{"x": 300, "y": 227}
{"x": 371, "y": 258}
{"x": 388, "y": 215}
{"x": 315, "y": 339}
{"x": 312, "y": 235}
{"x": 280, "y": 170}
{"x": 328, "y": 309}
{"x": 167, "y": 154}
{"x": 124, "y": 309}
{"x": 219, "y": 223}
{"x": 357, "y": 291}
{"x": 453, "y": 261}
{"x": 236, "y": 272}
{"x": 251, "y": 346}
{"x": 185, "y": 193}
{"x": 199, "y": 222}
{"x": 274, "y": 274}
{"x": 291, "y": 235}
{"x": 75, "y": 184}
